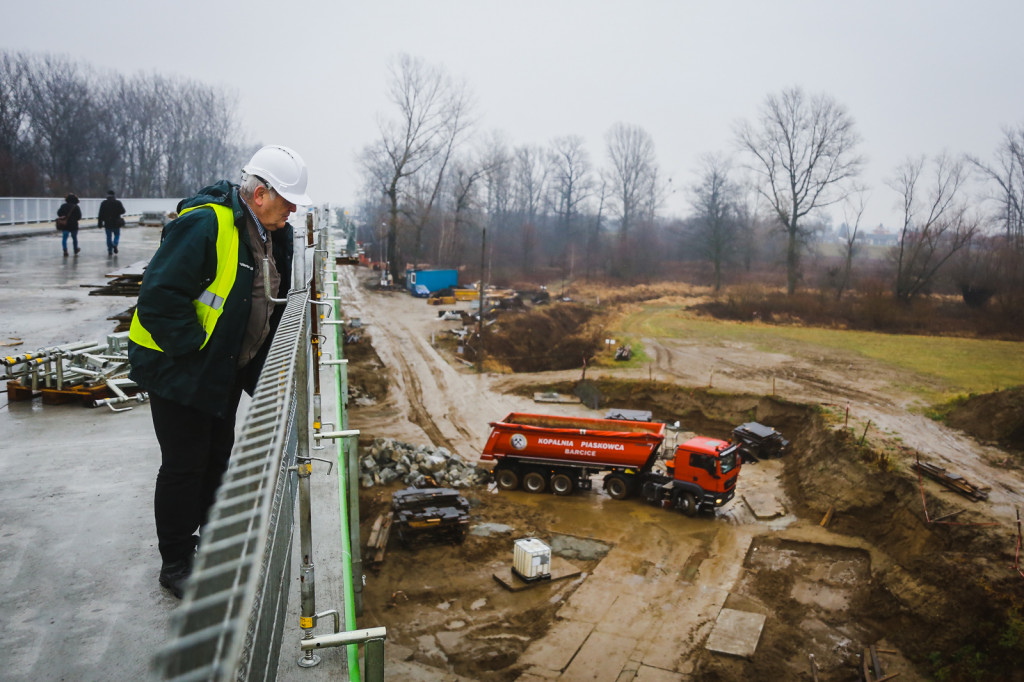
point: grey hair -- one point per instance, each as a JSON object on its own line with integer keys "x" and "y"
{"x": 249, "y": 184}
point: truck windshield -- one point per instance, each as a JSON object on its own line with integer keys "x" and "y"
{"x": 727, "y": 459}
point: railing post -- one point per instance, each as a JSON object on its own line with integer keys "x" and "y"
{"x": 307, "y": 614}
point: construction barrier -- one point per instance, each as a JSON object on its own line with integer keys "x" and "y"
{"x": 24, "y": 210}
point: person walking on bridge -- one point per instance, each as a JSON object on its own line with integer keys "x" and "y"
{"x": 110, "y": 220}
{"x": 71, "y": 212}
{"x": 201, "y": 332}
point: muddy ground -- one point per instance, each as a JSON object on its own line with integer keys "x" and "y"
{"x": 940, "y": 599}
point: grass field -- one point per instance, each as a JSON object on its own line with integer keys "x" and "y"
{"x": 964, "y": 366}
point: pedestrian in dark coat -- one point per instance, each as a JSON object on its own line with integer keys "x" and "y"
{"x": 109, "y": 219}
{"x": 70, "y": 209}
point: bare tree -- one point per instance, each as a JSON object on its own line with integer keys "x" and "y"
{"x": 530, "y": 180}
{"x": 468, "y": 175}
{"x": 1007, "y": 172}
{"x": 432, "y": 116}
{"x": 803, "y": 151}
{"x": 632, "y": 179}
{"x": 60, "y": 109}
{"x": 18, "y": 172}
{"x": 936, "y": 222}
{"x": 715, "y": 222}
{"x": 593, "y": 247}
{"x": 853, "y": 211}
{"x": 85, "y": 132}
{"x": 571, "y": 179}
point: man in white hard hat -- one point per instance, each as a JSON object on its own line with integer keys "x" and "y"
{"x": 201, "y": 332}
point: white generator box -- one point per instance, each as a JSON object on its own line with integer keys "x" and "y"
{"x": 531, "y": 559}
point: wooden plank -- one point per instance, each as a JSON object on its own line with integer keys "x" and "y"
{"x": 374, "y": 535}
{"x": 827, "y": 518}
{"x": 385, "y": 533}
{"x": 876, "y": 663}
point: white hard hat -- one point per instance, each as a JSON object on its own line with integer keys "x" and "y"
{"x": 283, "y": 169}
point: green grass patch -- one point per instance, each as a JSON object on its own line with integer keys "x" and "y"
{"x": 638, "y": 358}
{"x": 960, "y": 365}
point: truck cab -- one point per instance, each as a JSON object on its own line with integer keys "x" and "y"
{"x": 702, "y": 475}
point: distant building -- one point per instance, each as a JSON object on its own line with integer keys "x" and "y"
{"x": 880, "y": 237}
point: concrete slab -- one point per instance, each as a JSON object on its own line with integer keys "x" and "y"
{"x": 601, "y": 658}
{"x": 560, "y": 570}
{"x": 764, "y": 504}
{"x": 736, "y": 633}
{"x": 590, "y": 601}
{"x": 630, "y": 613}
{"x": 557, "y": 648}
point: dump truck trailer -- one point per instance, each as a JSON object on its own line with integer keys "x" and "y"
{"x": 561, "y": 454}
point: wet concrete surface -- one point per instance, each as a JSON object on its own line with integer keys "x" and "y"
{"x": 79, "y": 597}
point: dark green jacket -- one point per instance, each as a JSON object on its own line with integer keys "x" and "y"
{"x": 182, "y": 267}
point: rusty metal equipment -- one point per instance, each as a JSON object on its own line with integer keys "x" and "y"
{"x": 953, "y": 481}
{"x": 94, "y": 374}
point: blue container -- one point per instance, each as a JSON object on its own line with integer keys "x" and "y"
{"x": 433, "y": 280}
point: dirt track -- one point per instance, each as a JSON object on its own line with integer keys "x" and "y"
{"x": 644, "y": 610}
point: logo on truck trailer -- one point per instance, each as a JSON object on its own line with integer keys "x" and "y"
{"x": 518, "y": 441}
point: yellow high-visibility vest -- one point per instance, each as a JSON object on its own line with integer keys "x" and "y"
{"x": 210, "y": 303}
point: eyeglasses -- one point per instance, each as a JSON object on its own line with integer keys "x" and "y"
{"x": 265, "y": 184}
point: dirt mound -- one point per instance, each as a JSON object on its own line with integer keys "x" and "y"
{"x": 367, "y": 382}
{"x": 561, "y": 336}
{"x": 706, "y": 411}
{"x": 996, "y": 417}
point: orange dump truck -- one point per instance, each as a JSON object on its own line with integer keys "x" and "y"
{"x": 543, "y": 452}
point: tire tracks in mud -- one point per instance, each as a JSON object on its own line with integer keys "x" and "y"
{"x": 417, "y": 410}
{"x": 426, "y": 389}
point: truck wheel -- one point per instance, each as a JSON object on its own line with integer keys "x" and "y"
{"x": 534, "y": 482}
{"x": 508, "y": 479}
{"x": 617, "y": 487}
{"x": 561, "y": 484}
{"x": 686, "y": 503}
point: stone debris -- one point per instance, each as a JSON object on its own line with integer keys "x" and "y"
{"x": 389, "y": 460}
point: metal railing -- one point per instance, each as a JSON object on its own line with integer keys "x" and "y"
{"x": 230, "y": 624}
{"x": 23, "y": 210}
{"x": 231, "y": 620}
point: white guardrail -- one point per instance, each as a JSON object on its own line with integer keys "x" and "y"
{"x": 25, "y": 210}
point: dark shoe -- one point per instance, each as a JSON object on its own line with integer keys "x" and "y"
{"x": 76, "y": 251}
{"x": 174, "y": 574}
{"x": 65, "y": 254}
{"x": 115, "y": 249}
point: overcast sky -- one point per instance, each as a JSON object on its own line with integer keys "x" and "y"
{"x": 918, "y": 77}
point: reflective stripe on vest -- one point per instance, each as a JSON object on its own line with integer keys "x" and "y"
{"x": 210, "y": 303}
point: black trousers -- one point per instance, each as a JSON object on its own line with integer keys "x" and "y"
{"x": 195, "y": 447}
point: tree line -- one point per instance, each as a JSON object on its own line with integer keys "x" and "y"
{"x": 439, "y": 190}
{"x": 64, "y": 127}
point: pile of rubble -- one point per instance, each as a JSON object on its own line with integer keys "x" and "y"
{"x": 417, "y": 465}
